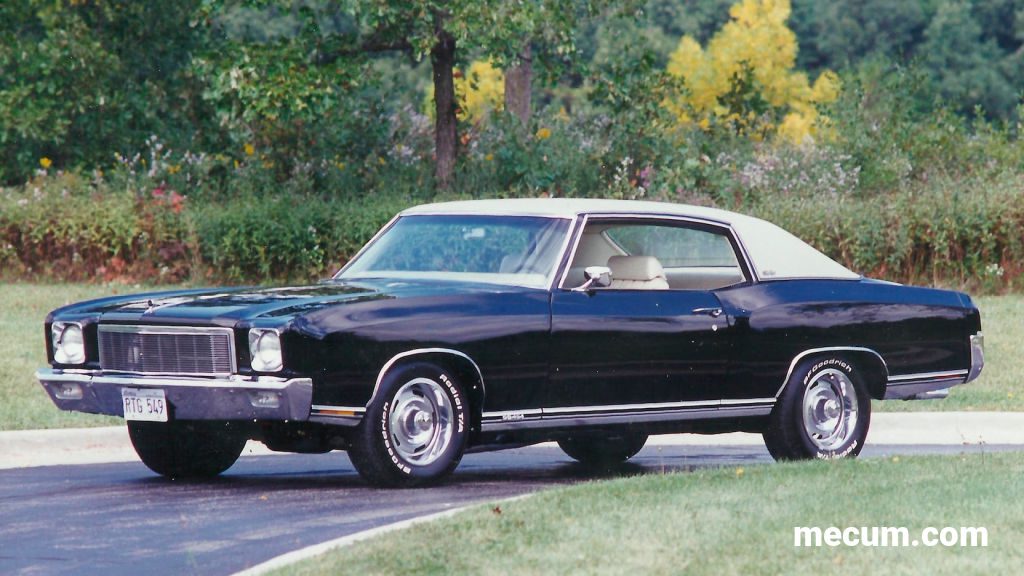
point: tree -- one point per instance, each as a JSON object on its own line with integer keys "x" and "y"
{"x": 81, "y": 81}
{"x": 964, "y": 63}
{"x": 745, "y": 79}
{"x": 446, "y": 32}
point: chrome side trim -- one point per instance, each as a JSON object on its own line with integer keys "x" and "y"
{"x": 800, "y": 356}
{"x": 625, "y": 413}
{"x": 420, "y": 351}
{"x": 928, "y": 376}
{"x": 513, "y": 415}
{"x": 921, "y": 389}
{"x": 337, "y": 415}
{"x": 326, "y": 408}
{"x": 632, "y": 417}
{"x": 744, "y": 401}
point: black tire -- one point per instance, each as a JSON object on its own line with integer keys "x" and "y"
{"x": 187, "y": 449}
{"x": 603, "y": 451}
{"x": 415, "y": 430}
{"x": 823, "y": 413}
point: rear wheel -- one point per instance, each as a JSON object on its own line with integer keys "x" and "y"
{"x": 823, "y": 412}
{"x": 415, "y": 429}
{"x": 603, "y": 451}
{"x": 187, "y": 449}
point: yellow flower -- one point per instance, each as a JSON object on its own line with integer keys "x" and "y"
{"x": 45, "y": 162}
{"x": 489, "y": 157}
{"x": 173, "y": 169}
{"x": 340, "y": 165}
{"x": 249, "y": 149}
{"x": 478, "y": 91}
{"x": 739, "y": 472}
{"x": 543, "y": 134}
{"x": 381, "y": 160}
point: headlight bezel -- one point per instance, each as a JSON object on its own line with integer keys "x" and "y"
{"x": 265, "y": 351}
{"x": 68, "y": 342}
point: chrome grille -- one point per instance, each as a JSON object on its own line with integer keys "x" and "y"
{"x": 167, "y": 350}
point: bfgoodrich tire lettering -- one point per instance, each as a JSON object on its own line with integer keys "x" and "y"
{"x": 824, "y": 412}
{"x": 415, "y": 430}
{"x": 187, "y": 449}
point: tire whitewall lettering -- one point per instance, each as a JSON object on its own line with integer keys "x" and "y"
{"x": 824, "y": 411}
{"x": 415, "y": 429}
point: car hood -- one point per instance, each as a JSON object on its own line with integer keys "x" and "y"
{"x": 228, "y": 306}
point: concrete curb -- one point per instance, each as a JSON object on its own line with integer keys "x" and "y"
{"x": 28, "y": 448}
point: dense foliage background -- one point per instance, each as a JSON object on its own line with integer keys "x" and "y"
{"x": 210, "y": 140}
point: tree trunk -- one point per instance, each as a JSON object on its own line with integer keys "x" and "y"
{"x": 442, "y": 58}
{"x": 518, "y": 81}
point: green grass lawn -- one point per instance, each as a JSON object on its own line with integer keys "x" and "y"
{"x": 720, "y": 521}
{"x": 24, "y": 405}
{"x": 23, "y": 307}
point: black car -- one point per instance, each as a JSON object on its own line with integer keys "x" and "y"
{"x": 485, "y": 324}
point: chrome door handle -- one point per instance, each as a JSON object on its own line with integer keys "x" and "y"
{"x": 713, "y": 312}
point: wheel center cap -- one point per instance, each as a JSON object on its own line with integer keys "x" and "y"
{"x": 831, "y": 409}
{"x": 423, "y": 421}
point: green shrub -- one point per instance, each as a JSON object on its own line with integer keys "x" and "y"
{"x": 287, "y": 237}
{"x": 64, "y": 226}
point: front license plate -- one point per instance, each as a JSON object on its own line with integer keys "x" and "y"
{"x": 145, "y": 404}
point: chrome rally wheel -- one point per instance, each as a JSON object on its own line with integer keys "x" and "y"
{"x": 823, "y": 412}
{"x": 421, "y": 421}
{"x": 830, "y": 409}
{"x": 415, "y": 428}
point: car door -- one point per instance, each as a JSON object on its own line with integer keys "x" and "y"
{"x": 640, "y": 341}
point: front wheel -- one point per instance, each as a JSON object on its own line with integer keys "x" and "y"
{"x": 823, "y": 412}
{"x": 415, "y": 430}
{"x": 603, "y": 451}
{"x": 187, "y": 449}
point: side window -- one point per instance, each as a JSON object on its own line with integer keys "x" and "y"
{"x": 676, "y": 247}
{"x": 654, "y": 256}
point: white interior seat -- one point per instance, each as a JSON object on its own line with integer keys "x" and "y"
{"x": 637, "y": 273}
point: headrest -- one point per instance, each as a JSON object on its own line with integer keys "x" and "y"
{"x": 635, "y": 268}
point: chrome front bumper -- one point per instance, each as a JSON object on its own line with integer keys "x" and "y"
{"x": 227, "y": 398}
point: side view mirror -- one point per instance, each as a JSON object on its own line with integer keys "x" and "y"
{"x": 597, "y": 277}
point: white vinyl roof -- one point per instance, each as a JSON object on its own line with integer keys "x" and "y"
{"x": 774, "y": 253}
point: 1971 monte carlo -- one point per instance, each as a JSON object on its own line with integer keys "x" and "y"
{"x": 485, "y": 324}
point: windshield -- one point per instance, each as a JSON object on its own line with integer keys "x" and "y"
{"x": 511, "y": 250}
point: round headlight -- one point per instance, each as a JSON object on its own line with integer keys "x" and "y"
{"x": 68, "y": 343}
{"x": 265, "y": 350}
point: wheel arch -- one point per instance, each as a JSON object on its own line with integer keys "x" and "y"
{"x": 876, "y": 372}
{"x": 460, "y": 364}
